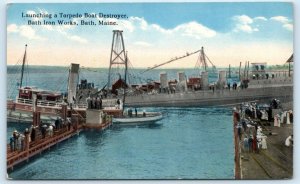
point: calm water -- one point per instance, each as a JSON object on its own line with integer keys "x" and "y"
{"x": 189, "y": 143}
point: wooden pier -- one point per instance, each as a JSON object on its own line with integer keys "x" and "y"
{"x": 275, "y": 162}
{"x": 15, "y": 157}
{"x": 44, "y": 142}
{"x": 237, "y": 159}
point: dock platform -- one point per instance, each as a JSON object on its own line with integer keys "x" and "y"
{"x": 275, "y": 162}
{"x": 15, "y": 157}
{"x": 40, "y": 144}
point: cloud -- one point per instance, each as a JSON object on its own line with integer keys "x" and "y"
{"x": 289, "y": 27}
{"x": 139, "y": 22}
{"x": 286, "y": 23}
{"x": 260, "y": 18}
{"x": 194, "y": 29}
{"x": 25, "y": 31}
{"x": 62, "y": 29}
{"x": 143, "y": 44}
{"x": 280, "y": 19}
{"x": 243, "y": 23}
{"x": 12, "y": 28}
{"x": 243, "y": 19}
{"x": 28, "y": 32}
{"x": 77, "y": 39}
{"x": 190, "y": 29}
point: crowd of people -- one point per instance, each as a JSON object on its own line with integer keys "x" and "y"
{"x": 17, "y": 141}
{"x": 94, "y": 103}
{"x": 250, "y": 134}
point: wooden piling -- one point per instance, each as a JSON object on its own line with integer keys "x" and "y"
{"x": 237, "y": 164}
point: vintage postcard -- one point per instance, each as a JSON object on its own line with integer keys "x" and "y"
{"x": 150, "y": 90}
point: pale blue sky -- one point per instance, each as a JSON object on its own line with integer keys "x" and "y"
{"x": 155, "y": 32}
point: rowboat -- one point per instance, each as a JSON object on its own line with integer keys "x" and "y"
{"x": 138, "y": 119}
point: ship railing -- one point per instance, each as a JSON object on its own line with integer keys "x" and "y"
{"x": 40, "y": 102}
{"x": 24, "y": 101}
{"x": 81, "y": 106}
{"x": 48, "y": 103}
{"x": 108, "y": 104}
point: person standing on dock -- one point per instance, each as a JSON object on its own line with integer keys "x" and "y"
{"x": 289, "y": 141}
{"x": 12, "y": 143}
{"x": 22, "y": 139}
{"x": 44, "y": 129}
{"x": 56, "y": 123}
{"x": 26, "y": 134}
{"x": 69, "y": 124}
{"x": 97, "y": 103}
{"x": 100, "y": 103}
{"x": 264, "y": 142}
{"x": 118, "y": 103}
{"x": 15, "y": 139}
{"x": 239, "y": 127}
{"x": 246, "y": 144}
{"x": 50, "y": 130}
{"x": 19, "y": 142}
{"x": 94, "y": 103}
{"x": 135, "y": 112}
{"x": 254, "y": 143}
{"x": 275, "y": 121}
{"x": 244, "y": 125}
{"x": 88, "y": 102}
{"x": 250, "y": 141}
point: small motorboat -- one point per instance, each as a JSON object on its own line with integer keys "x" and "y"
{"x": 144, "y": 118}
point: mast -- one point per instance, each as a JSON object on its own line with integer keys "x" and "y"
{"x": 240, "y": 71}
{"x": 117, "y": 54}
{"x": 125, "y": 78}
{"x": 245, "y": 70}
{"x": 203, "y": 59}
{"x": 248, "y": 70}
{"x": 289, "y": 69}
{"x": 22, "y": 71}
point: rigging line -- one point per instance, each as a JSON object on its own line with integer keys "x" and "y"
{"x": 27, "y": 73}
{"x": 18, "y": 61}
{"x": 13, "y": 72}
{"x": 210, "y": 61}
{"x": 14, "y": 68}
{"x": 135, "y": 75}
{"x": 63, "y": 83}
{"x": 174, "y": 59}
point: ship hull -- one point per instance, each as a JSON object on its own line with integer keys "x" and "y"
{"x": 212, "y": 98}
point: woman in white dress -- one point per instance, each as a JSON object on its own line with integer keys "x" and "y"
{"x": 276, "y": 121}
{"x": 264, "y": 142}
{"x": 279, "y": 120}
{"x": 288, "y": 118}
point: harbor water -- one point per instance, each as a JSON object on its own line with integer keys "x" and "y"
{"x": 188, "y": 143}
